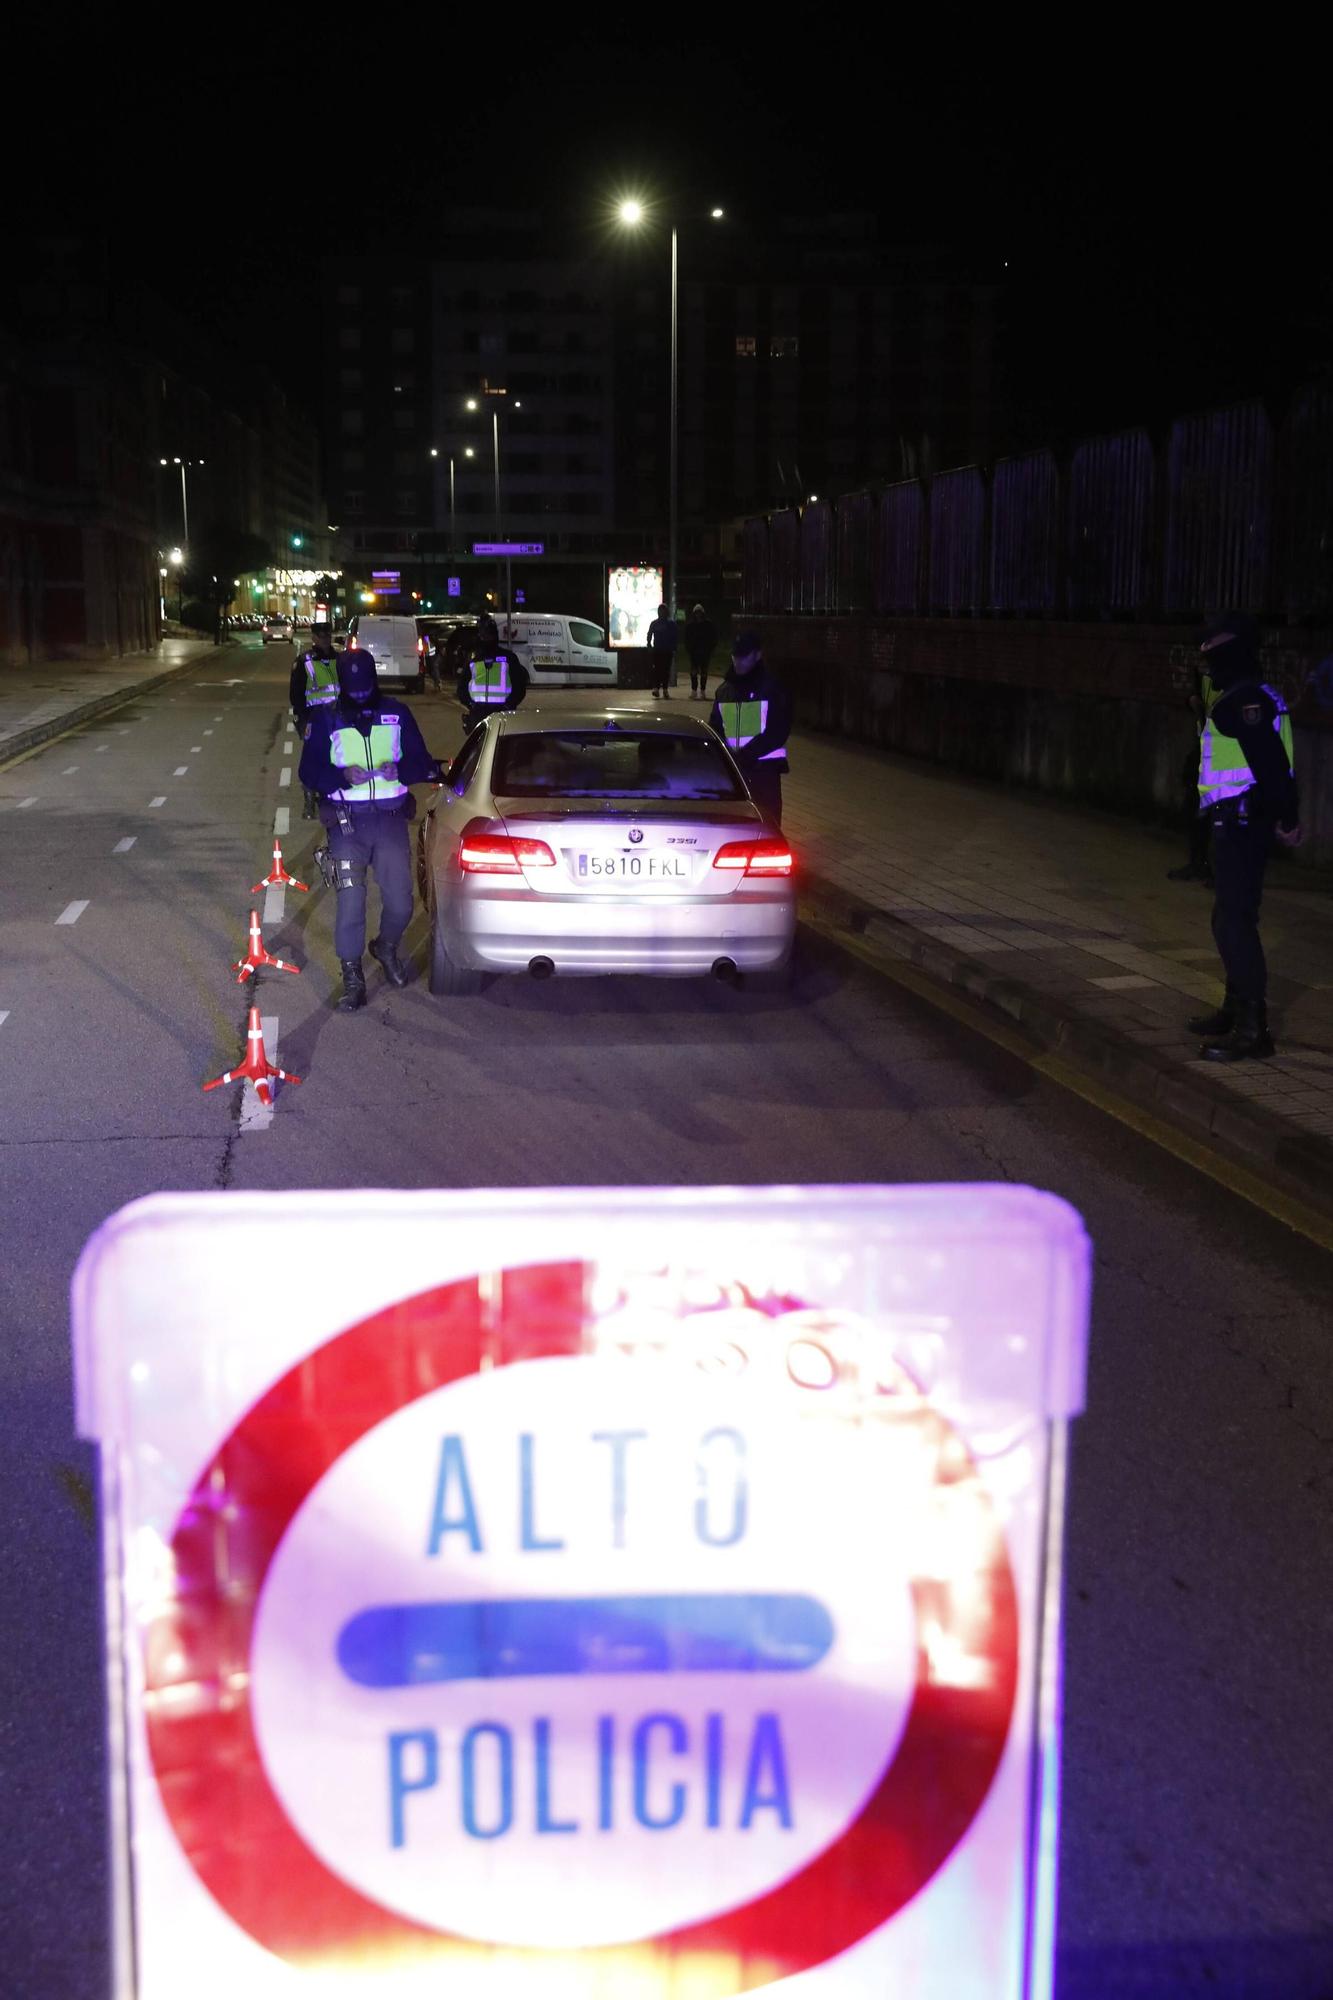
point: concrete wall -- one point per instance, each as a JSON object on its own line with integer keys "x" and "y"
{"x": 1097, "y": 712}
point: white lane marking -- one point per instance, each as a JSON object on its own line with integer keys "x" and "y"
{"x": 217, "y": 718}
{"x": 194, "y": 747}
{"x": 4, "y": 1016}
{"x": 275, "y": 903}
{"x": 257, "y": 1117}
{"x": 72, "y": 912}
{"x": 180, "y": 770}
{"x": 208, "y": 732}
{"x": 100, "y": 748}
{"x": 69, "y": 770}
{"x": 285, "y": 775}
{"x": 282, "y": 820}
{"x": 26, "y": 802}
{"x": 122, "y": 732}
{"x": 124, "y": 846}
{"x": 157, "y": 802}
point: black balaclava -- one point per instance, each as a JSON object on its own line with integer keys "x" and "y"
{"x": 1235, "y": 657}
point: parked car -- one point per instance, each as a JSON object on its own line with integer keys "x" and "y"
{"x": 601, "y": 839}
{"x": 277, "y": 627}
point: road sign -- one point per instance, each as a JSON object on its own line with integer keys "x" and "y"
{"x": 509, "y": 1606}
{"x": 509, "y": 548}
{"x": 386, "y": 582}
{"x": 455, "y": 586}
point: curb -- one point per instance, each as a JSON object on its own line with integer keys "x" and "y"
{"x": 24, "y": 740}
{"x": 1298, "y": 1163}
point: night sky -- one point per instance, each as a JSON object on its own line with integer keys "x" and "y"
{"x": 1159, "y": 226}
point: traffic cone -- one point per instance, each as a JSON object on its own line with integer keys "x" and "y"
{"x": 256, "y": 1065}
{"x": 279, "y": 877}
{"x": 257, "y": 956}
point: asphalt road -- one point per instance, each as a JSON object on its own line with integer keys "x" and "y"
{"x": 1197, "y": 1832}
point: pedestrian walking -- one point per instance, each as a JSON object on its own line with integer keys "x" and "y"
{"x": 700, "y": 639}
{"x": 753, "y": 716}
{"x": 313, "y": 684}
{"x": 490, "y": 677}
{"x": 360, "y": 756}
{"x": 1247, "y": 788}
{"x": 663, "y": 636}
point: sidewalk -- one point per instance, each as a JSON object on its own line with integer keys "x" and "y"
{"x": 38, "y": 702}
{"x": 1064, "y": 921}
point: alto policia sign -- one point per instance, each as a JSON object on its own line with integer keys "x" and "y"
{"x": 512, "y": 1610}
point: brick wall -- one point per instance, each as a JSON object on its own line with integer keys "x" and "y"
{"x": 1096, "y": 712}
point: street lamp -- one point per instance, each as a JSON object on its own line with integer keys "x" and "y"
{"x": 631, "y": 213}
{"x": 185, "y": 502}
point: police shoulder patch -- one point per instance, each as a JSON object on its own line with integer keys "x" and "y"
{"x": 1251, "y": 711}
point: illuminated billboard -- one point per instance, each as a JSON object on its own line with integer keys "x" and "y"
{"x": 634, "y": 591}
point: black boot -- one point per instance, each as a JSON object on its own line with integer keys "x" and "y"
{"x": 354, "y": 986}
{"x": 1191, "y": 871}
{"x": 1220, "y": 1022}
{"x": 395, "y": 971}
{"x": 1248, "y": 1037}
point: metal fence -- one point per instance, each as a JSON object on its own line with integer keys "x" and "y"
{"x": 1224, "y": 514}
{"x": 1025, "y": 534}
{"x": 956, "y": 565}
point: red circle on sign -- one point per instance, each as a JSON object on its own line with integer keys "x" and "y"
{"x": 200, "y": 1723}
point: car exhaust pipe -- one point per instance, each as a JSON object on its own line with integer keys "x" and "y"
{"x": 725, "y": 970}
{"x": 541, "y": 968}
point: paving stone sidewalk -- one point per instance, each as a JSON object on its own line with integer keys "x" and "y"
{"x": 1065, "y": 919}
{"x": 38, "y": 701}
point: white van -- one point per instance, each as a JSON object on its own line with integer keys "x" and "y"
{"x": 393, "y": 642}
{"x": 559, "y": 651}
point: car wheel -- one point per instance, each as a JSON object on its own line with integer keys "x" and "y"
{"x": 448, "y": 980}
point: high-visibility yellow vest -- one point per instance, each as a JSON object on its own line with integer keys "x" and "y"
{"x": 321, "y": 681}
{"x": 1223, "y": 771}
{"x": 742, "y": 721}
{"x": 488, "y": 682}
{"x": 370, "y": 762}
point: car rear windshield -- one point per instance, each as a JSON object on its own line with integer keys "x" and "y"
{"x": 608, "y": 764}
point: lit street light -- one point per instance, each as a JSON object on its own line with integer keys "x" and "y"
{"x": 631, "y": 213}
{"x": 185, "y": 503}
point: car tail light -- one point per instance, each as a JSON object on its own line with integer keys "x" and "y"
{"x": 501, "y": 854}
{"x": 755, "y": 857}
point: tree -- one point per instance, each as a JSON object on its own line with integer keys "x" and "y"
{"x": 216, "y": 558}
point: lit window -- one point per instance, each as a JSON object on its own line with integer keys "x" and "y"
{"x": 745, "y": 343}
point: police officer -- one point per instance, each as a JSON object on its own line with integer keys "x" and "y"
{"x": 314, "y": 684}
{"x": 490, "y": 677}
{"x": 753, "y": 714}
{"x": 360, "y": 755}
{"x": 1247, "y": 787}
